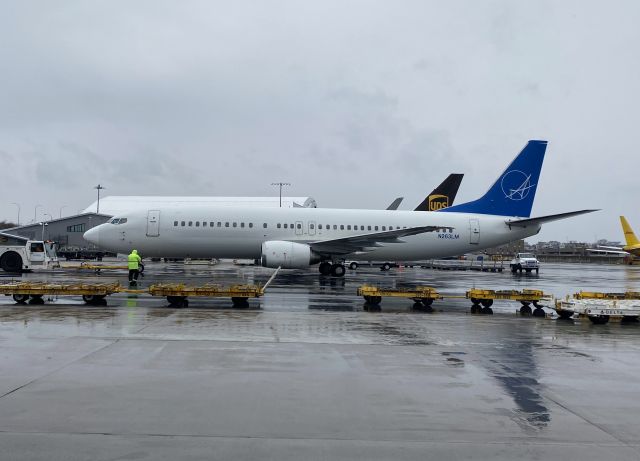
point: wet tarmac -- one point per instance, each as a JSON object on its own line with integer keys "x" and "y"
{"x": 307, "y": 372}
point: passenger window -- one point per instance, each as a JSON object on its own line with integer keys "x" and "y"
{"x": 235, "y": 224}
{"x": 299, "y": 226}
{"x": 250, "y": 225}
{"x": 204, "y": 223}
{"x": 328, "y": 227}
{"x": 278, "y": 226}
{"x": 211, "y": 224}
{"x": 291, "y": 225}
{"x": 220, "y": 224}
{"x": 197, "y": 223}
{"x": 286, "y": 226}
{"x": 241, "y": 224}
{"x": 182, "y": 223}
{"x": 384, "y": 228}
{"x": 349, "y": 227}
{"x": 361, "y": 228}
{"x": 226, "y": 224}
{"x": 376, "y": 227}
{"x": 175, "y": 223}
{"x": 190, "y": 223}
{"x": 264, "y": 225}
{"x": 319, "y": 226}
{"x": 368, "y": 227}
{"x": 311, "y": 226}
{"x": 341, "y": 226}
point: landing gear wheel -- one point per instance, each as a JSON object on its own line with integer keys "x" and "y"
{"x": 539, "y": 312}
{"x": 385, "y": 267}
{"x": 20, "y": 299}
{"x": 487, "y": 311}
{"x": 486, "y": 302}
{"x": 325, "y": 268}
{"x": 338, "y": 270}
{"x": 525, "y": 311}
{"x": 599, "y": 320}
{"x": 240, "y": 301}
{"x": 178, "y": 301}
{"x": 353, "y": 266}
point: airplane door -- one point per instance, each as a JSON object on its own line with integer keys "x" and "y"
{"x": 299, "y": 228}
{"x": 312, "y": 228}
{"x": 153, "y": 223}
{"x": 474, "y": 231}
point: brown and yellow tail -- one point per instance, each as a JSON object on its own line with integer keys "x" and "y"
{"x": 629, "y": 236}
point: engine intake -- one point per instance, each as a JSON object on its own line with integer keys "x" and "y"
{"x": 288, "y": 255}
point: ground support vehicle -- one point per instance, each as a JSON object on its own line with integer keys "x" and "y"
{"x": 524, "y": 262}
{"x": 177, "y": 294}
{"x": 422, "y": 297}
{"x": 600, "y": 307}
{"x": 482, "y": 300}
{"x": 34, "y": 292}
{"x": 19, "y": 257}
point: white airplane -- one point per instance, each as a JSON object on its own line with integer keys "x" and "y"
{"x": 294, "y": 238}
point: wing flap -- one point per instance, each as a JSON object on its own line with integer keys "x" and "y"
{"x": 367, "y": 242}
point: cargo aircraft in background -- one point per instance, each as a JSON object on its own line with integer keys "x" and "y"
{"x": 294, "y": 238}
{"x": 632, "y": 247}
{"x": 441, "y": 197}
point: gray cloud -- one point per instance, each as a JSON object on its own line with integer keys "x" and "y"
{"x": 352, "y": 102}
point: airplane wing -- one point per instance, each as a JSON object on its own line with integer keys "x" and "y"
{"x": 366, "y": 242}
{"x": 543, "y": 219}
{"x": 395, "y": 204}
{"x": 608, "y": 250}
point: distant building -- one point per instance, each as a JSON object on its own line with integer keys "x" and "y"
{"x": 115, "y": 205}
{"x": 67, "y": 232}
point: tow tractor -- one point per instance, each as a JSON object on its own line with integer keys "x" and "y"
{"x": 18, "y": 254}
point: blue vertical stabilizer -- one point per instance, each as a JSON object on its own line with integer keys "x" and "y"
{"x": 513, "y": 193}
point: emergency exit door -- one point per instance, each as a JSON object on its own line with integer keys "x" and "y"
{"x": 474, "y": 231}
{"x": 153, "y": 223}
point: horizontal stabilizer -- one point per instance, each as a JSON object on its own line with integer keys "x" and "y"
{"x": 543, "y": 219}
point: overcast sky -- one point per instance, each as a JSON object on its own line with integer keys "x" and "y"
{"x": 353, "y": 102}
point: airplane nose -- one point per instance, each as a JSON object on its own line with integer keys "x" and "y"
{"x": 93, "y": 235}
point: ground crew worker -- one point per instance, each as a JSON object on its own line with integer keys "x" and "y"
{"x": 134, "y": 261}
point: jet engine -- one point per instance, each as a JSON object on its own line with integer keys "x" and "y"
{"x": 288, "y": 255}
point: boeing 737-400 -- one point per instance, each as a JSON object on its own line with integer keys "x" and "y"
{"x": 294, "y": 238}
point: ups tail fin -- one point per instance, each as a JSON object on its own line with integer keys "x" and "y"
{"x": 513, "y": 192}
{"x": 629, "y": 236}
{"x": 443, "y": 195}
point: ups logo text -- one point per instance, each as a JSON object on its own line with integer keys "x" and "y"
{"x": 438, "y": 202}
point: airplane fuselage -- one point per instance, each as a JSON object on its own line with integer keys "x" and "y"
{"x": 230, "y": 232}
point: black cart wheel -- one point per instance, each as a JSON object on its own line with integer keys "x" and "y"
{"x": 486, "y": 302}
{"x": 20, "y": 298}
{"x": 525, "y": 310}
{"x": 487, "y": 311}
{"x": 599, "y": 319}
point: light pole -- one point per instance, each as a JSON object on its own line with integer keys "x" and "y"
{"x": 63, "y": 206}
{"x": 14, "y": 203}
{"x": 35, "y": 212}
{"x": 99, "y": 188}
{"x": 280, "y": 184}
{"x": 44, "y": 223}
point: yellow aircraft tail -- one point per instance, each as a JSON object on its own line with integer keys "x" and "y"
{"x": 628, "y": 232}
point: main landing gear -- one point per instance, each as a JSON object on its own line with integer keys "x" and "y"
{"x": 335, "y": 270}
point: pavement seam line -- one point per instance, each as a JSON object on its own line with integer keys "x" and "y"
{"x": 57, "y": 369}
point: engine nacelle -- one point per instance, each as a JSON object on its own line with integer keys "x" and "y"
{"x": 288, "y": 255}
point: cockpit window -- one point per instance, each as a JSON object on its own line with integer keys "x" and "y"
{"x": 123, "y": 220}
{"x": 118, "y": 221}
{"x": 115, "y": 221}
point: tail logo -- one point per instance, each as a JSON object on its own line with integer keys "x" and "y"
{"x": 438, "y": 202}
{"x": 516, "y": 185}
